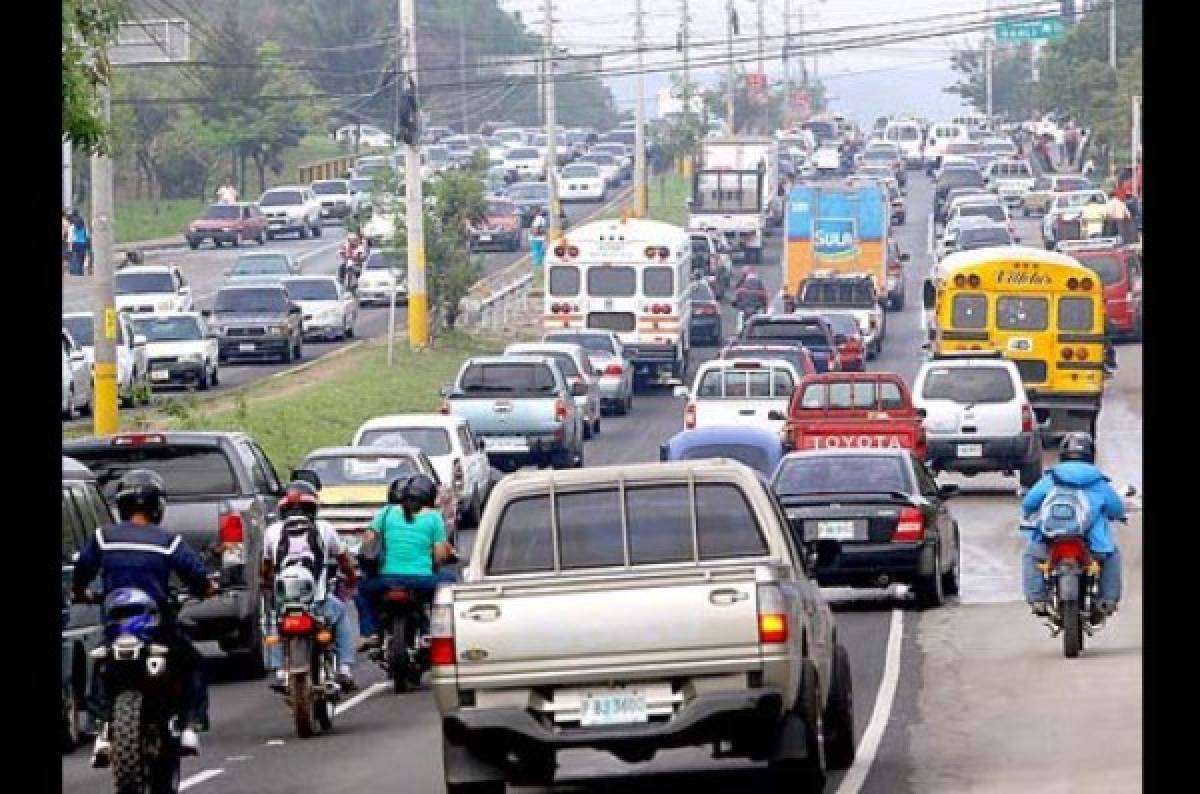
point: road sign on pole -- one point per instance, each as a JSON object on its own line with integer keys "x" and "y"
{"x": 1029, "y": 29}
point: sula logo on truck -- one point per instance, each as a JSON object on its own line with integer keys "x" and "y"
{"x": 834, "y": 238}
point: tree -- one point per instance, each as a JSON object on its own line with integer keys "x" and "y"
{"x": 1012, "y": 79}
{"x": 88, "y": 27}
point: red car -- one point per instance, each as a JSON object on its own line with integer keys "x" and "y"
{"x": 1120, "y": 270}
{"x": 228, "y": 223}
{"x": 848, "y": 337}
{"x": 751, "y": 293}
{"x": 500, "y": 226}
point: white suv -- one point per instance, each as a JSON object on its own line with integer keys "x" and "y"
{"x": 146, "y": 289}
{"x": 977, "y": 417}
{"x": 292, "y": 209}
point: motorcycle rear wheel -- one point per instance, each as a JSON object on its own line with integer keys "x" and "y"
{"x": 397, "y": 655}
{"x": 1072, "y": 629}
{"x": 142, "y": 760}
{"x": 299, "y": 691}
{"x": 323, "y": 706}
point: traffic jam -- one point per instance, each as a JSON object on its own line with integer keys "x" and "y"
{"x": 775, "y": 499}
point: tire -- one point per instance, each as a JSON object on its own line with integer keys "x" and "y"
{"x": 216, "y": 375}
{"x": 252, "y": 661}
{"x": 299, "y": 356}
{"x": 806, "y": 775}
{"x": 839, "y": 713}
{"x": 1025, "y": 212}
{"x": 928, "y": 589}
{"x": 69, "y": 413}
{"x": 288, "y": 355}
{"x": 318, "y": 230}
{"x": 204, "y": 382}
{"x": 193, "y": 244}
{"x": 1030, "y": 472}
{"x": 270, "y": 235}
{"x": 397, "y": 653}
{"x": 300, "y": 699}
{"x": 133, "y": 771}
{"x": 322, "y": 708}
{"x": 73, "y": 716}
{"x": 628, "y": 405}
{"x": 303, "y": 233}
{"x": 952, "y": 579}
{"x": 1072, "y": 629}
{"x": 587, "y": 431}
{"x": 596, "y": 429}
{"x": 237, "y": 240}
{"x": 217, "y": 243}
{"x": 262, "y": 238}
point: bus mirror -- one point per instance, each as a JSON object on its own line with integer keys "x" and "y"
{"x": 929, "y": 296}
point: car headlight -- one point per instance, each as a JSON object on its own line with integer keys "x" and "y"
{"x": 191, "y": 358}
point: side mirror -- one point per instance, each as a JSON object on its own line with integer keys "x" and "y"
{"x": 776, "y": 416}
{"x": 479, "y": 445}
{"x": 922, "y": 413}
{"x": 309, "y": 476}
{"x": 928, "y": 295}
{"x": 680, "y": 392}
{"x": 947, "y": 491}
{"x": 76, "y": 355}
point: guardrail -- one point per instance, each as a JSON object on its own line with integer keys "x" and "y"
{"x": 503, "y": 306}
{"x": 333, "y": 168}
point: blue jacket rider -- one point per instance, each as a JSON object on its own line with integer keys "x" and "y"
{"x": 1076, "y": 468}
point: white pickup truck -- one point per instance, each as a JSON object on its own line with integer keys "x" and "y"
{"x": 633, "y": 609}
{"x": 739, "y": 392}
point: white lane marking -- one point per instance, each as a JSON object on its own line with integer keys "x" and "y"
{"x": 199, "y": 777}
{"x": 929, "y": 237}
{"x": 372, "y": 690}
{"x": 320, "y": 250}
{"x": 274, "y": 742}
{"x": 856, "y": 775}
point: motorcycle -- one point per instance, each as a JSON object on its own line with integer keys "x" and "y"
{"x": 146, "y": 691}
{"x": 309, "y": 660}
{"x": 350, "y": 268}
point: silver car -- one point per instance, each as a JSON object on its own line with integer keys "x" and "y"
{"x": 573, "y": 361}
{"x": 611, "y": 368}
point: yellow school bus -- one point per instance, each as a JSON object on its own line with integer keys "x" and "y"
{"x": 1041, "y": 309}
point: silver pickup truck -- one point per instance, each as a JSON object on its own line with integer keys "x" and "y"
{"x": 522, "y": 408}
{"x": 633, "y": 609}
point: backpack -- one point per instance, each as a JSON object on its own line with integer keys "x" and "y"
{"x": 1065, "y": 511}
{"x": 300, "y": 544}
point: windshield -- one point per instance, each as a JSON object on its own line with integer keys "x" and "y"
{"x": 566, "y": 363}
{"x": 380, "y": 260}
{"x": 523, "y": 154}
{"x": 993, "y": 211}
{"x": 595, "y": 343}
{"x": 1108, "y": 268}
{"x": 504, "y": 377}
{"x": 982, "y": 238}
{"x": 433, "y": 441}
{"x": 281, "y": 198}
{"x": 361, "y": 185}
{"x": 805, "y": 335}
{"x": 187, "y": 471}
{"x": 312, "y": 289}
{"x": 961, "y": 177}
{"x": 142, "y": 283}
{"x": 361, "y": 469}
{"x": 529, "y": 192}
{"x": 167, "y": 329}
{"x": 599, "y": 158}
{"x": 500, "y": 208}
{"x": 580, "y": 172}
{"x": 754, "y": 457}
{"x": 437, "y": 154}
{"x": 611, "y": 282}
{"x": 80, "y": 328}
{"x": 833, "y": 293}
{"x": 843, "y": 324}
{"x": 223, "y": 212}
{"x": 261, "y": 265}
{"x": 840, "y": 474}
{"x": 1072, "y": 184}
{"x": 881, "y": 153}
{"x": 251, "y": 300}
{"x": 968, "y": 385}
{"x": 329, "y": 188}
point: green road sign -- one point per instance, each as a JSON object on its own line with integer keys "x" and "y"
{"x": 1030, "y": 30}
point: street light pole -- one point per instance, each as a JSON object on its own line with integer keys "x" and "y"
{"x": 553, "y": 228}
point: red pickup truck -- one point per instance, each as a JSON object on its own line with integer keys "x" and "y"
{"x": 854, "y": 409}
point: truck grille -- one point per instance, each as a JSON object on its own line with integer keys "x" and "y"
{"x": 251, "y": 331}
{"x": 164, "y": 361}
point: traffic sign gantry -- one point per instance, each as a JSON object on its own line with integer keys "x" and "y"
{"x": 1029, "y": 29}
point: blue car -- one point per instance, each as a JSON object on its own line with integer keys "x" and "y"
{"x": 760, "y": 449}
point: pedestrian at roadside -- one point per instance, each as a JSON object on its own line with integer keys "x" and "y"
{"x": 227, "y": 193}
{"x": 66, "y": 240}
{"x": 537, "y": 239}
{"x": 1071, "y": 139}
{"x": 80, "y": 243}
{"x": 1117, "y": 220}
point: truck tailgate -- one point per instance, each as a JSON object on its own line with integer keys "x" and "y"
{"x": 835, "y": 433}
{"x": 546, "y": 632}
{"x": 750, "y": 412}
{"x": 505, "y": 416}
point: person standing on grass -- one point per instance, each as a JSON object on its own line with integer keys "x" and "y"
{"x": 227, "y": 194}
{"x": 80, "y": 243}
{"x": 537, "y": 239}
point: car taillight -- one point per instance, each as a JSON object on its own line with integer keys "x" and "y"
{"x": 689, "y": 417}
{"x": 772, "y": 615}
{"x": 911, "y": 526}
{"x": 441, "y": 629}
{"x": 444, "y": 408}
{"x": 1026, "y": 418}
{"x": 458, "y": 475}
{"x": 614, "y": 369}
{"x": 560, "y": 411}
{"x": 296, "y": 623}
{"x": 230, "y": 528}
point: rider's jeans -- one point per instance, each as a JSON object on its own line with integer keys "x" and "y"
{"x": 1034, "y": 583}
{"x": 343, "y": 638}
{"x": 371, "y": 591}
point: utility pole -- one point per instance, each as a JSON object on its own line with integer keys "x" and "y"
{"x": 1112, "y": 34}
{"x": 1135, "y": 140}
{"x": 105, "y": 418}
{"x": 639, "y": 136}
{"x": 462, "y": 63}
{"x": 730, "y": 17}
{"x": 988, "y": 57}
{"x": 787, "y": 60}
{"x": 762, "y": 70}
{"x": 68, "y": 193}
{"x": 553, "y": 230}
{"x": 687, "y": 83}
{"x": 418, "y": 320}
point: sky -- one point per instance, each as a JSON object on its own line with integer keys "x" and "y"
{"x": 864, "y": 82}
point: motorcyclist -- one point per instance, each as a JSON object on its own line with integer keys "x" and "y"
{"x": 409, "y": 537}
{"x": 300, "y": 501}
{"x": 139, "y": 552}
{"x": 1076, "y": 469}
{"x": 353, "y": 254}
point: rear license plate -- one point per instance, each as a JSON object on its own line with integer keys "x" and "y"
{"x": 246, "y": 347}
{"x": 159, "y": 374}
{"x": 485, "y": 238}
{"x": 970, "y": 450}
{"x": 506, "y": 444}
{"x": 835, "y": 530}
{"x": 612, "y": 709}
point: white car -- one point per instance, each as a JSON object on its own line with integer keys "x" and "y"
{"x": 335, "y": 197}
{"x": 133, "y": 377}
{"x": 622, "y": 153}
{"x": 381, "y": 228}
{"x": 610, "y": 365}
{"x": 330, "y": 312}
{"x": 291, "y": 210}
{"x": 978, "y": 417}
{"x": 180, "y": 351}
{"x": 528, "y": 164}
{"x": 1010, "y": 179}
{"x": 448, "y": 442}
{"x": 827, "y": 158}
{"x": 76, "y": 379}
{"x": 151, "y": 288}
{"x": 608, "y": 165}
{"x": 754, "y": 392}
{"x": 379, "y": 280}
{"x": 436, "y": 159}
{"x": 581, "y": 182}
{"x": 367, "y": 135}
{"x": 573, "y": 362}
{"x": 990, "y": 208}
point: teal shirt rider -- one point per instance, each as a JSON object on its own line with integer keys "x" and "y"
{"x": 408, "y": 546}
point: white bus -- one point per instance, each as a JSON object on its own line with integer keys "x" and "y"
{"x": 906, "y": 135}
{"x": 629, "y": 276}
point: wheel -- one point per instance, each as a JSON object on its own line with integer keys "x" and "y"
{"x": 193, "y": 244}
{"x": 270, "y": 235}
{"x": 203, "y": 382}
{"x": 69, "y": 411}
{"x": 304, "y": 231}
{"x": 577, "y": 463}
{"x": 1031, "y": 472}
{"x": 839, "y": 713}
{"x": 1072, "y": 628}
{"x": 322, "y": 707}
{"x": 216, "y": 378}
{"x": 397, "y": 655}
{"x": 287, "y": 356}
{"x": 1025, "y": 212}
{"x": 596, "y": 428}
{"x": 806, "y": 774}
{"x": 349, "y": 332}
{"x": 143, "y": 761}
{"x": 73, "y": 714}
{"x": 899, "y": 303}
{"x": 262, "y": 238}
{"x": 952, "y": 578}
{"x": 300, "y": 699}
{"x": 217, "y": 243}
{"x": 318, "y": 230}
{"x": 237, "y": 240}
{"x": 928, "y": 589}
{"x": 299, "y": 351}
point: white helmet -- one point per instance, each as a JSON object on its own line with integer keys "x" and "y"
{"x": 295, "y": 585}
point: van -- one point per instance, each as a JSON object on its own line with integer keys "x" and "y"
{"x": 906, "y": 135}
{"x": 940, "y": 136}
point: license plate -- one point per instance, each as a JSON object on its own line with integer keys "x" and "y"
{"x": 970, "y": 450}
{"x": 506, "y": 443}
{"x": 612, "y": 709}
{"x": 246, "y": 347}
{"x": 232, "y": 555}
{"x": 485, "y": 237}
{"x": 835, "y": 530}
{"x": 277, "y": 223}
{"x": 159, "y": 374}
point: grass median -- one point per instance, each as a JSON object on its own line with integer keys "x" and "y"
{"x": 323, "y": 405}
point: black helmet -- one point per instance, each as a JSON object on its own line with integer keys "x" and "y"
{"x": 419, "y": 490}
{"x": 300, "y": 499}
{"x": 1077, "y": 446}
{"x": 141, "y": 491}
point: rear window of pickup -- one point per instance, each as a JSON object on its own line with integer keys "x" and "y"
{"x": 187, "y": 471}
{"x": 833, "y": 293}
{"x": 669, "y": 523}
{"x": 860, "y": 395}
{"x": 515, "y": 378}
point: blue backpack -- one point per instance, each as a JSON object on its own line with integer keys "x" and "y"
{"x": 1065, "y": 511}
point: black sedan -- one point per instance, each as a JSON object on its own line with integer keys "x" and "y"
{"x": 869, "y": 517}
{"x": 705, "y": 320}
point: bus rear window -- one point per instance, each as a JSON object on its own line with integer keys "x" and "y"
{"x": 969, "y": 311}
{"x": 612, "y": 282}
{"x": 658, "y": 282}
{"x": 1075, "y": 314}
{"x": 1018, "y": 313}
{"x": 564, "y": 281}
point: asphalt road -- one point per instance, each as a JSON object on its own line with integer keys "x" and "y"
{"x": 914, "y": 736}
